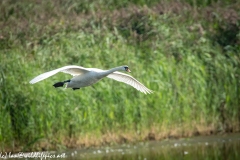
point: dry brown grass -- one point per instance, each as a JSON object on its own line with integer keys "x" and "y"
{"x": 55, "y": 17}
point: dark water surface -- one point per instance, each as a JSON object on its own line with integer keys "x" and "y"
{"x": 220, "y": 147}
{"x": 217, "y": 147}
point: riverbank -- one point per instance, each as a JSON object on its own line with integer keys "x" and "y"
{"x": 108, "y": 139}
{"x": 212, "y": 147}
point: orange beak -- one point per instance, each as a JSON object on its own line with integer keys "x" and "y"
{"x": 128, "y": 70}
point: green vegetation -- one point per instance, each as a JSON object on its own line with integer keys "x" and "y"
{"x": 186, "y": 51}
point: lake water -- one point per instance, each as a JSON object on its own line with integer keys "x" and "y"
{"x": 220, "y": 147}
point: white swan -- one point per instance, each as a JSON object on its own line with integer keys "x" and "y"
{"x": 83, "y": 77}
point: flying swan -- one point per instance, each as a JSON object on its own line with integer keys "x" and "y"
{"x": 83, "y": 77}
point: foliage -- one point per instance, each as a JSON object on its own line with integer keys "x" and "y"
{"x": 193, "y": 67}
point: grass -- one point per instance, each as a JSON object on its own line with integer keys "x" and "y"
{"x": 189, "y": 58}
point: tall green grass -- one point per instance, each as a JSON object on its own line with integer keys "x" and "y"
{"x": 195, "y": 77}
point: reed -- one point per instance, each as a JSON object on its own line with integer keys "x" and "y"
{"x": 193, "y": 67}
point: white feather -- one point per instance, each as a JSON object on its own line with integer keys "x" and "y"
{"x": 87, "y": 76}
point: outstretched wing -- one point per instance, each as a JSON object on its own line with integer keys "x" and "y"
{"x": 125, "y": 78}
{"x": 73, "y": 70}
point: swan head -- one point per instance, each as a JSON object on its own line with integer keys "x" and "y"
{"x": 126, "y": 68}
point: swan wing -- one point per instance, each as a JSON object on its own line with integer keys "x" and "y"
{"x": 125, "y": 78}
{"x": 73, "y": 70}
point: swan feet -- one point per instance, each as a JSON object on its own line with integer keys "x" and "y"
{"x": 75, "y": 88}
{"x": 60, "y": 84}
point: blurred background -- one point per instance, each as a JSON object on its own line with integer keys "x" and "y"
{"x": 187, "y": 51}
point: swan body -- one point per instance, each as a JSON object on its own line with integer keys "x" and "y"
{"x": 83, "y": 77}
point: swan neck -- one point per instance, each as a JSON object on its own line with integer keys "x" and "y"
{"x": 113, "y": 70}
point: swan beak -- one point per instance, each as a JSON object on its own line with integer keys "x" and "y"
{"x": 128, "y": 70}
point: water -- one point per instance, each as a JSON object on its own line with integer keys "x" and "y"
{"x": 221, "y": 147}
